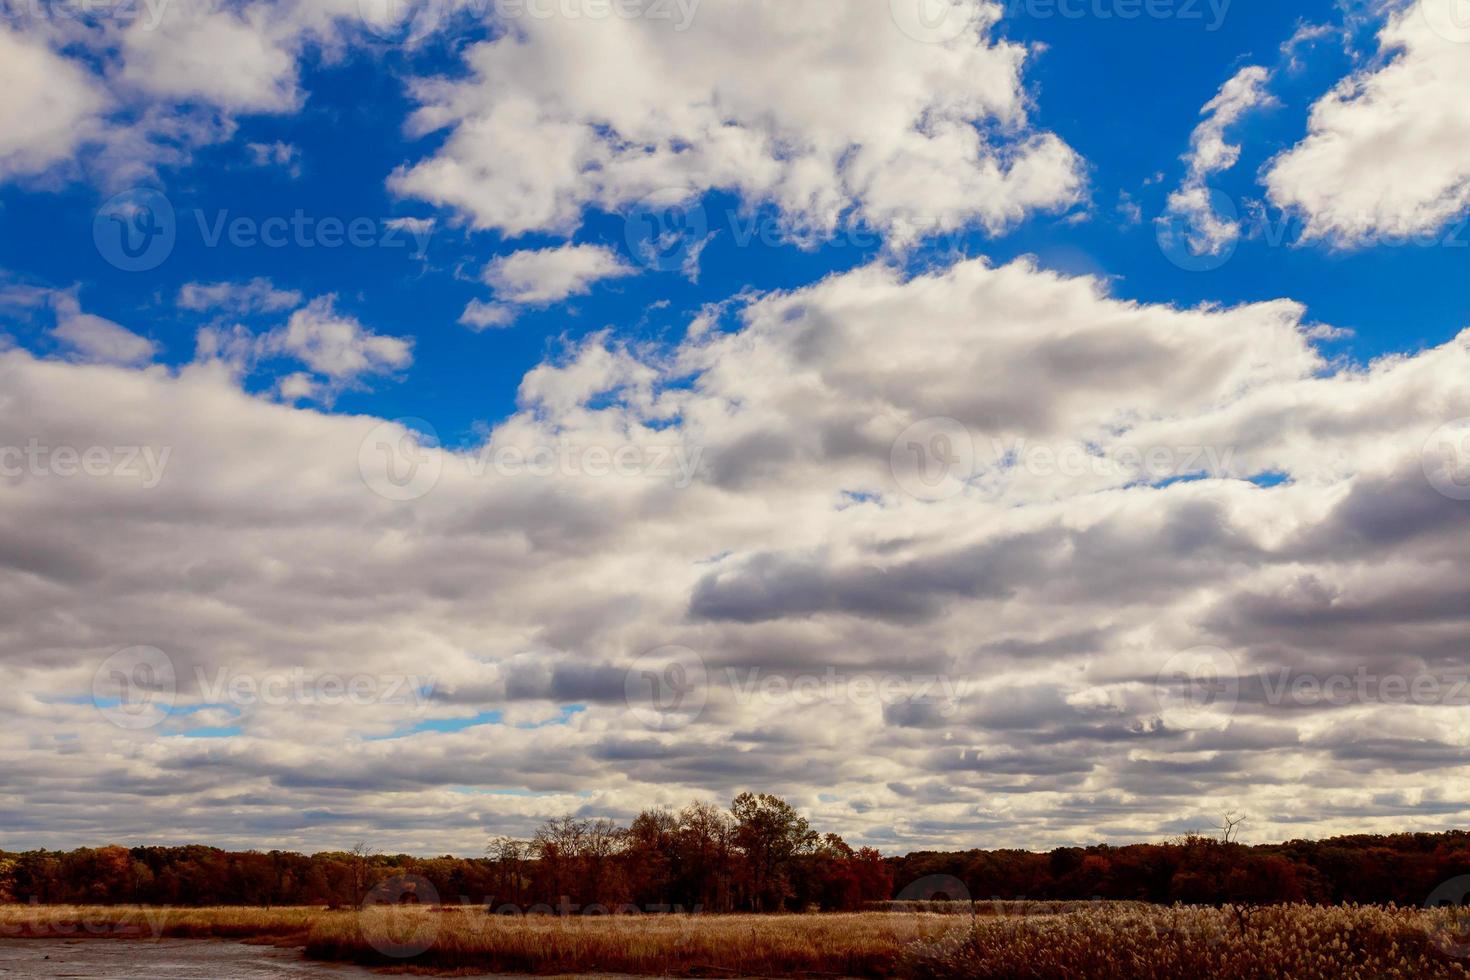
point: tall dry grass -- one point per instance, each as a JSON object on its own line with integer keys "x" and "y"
{"x": 844, "y": 944}
{"x": 155, "y": 922}
{"x": 1080, "y": 941}
{"x": 1152, "y": 943}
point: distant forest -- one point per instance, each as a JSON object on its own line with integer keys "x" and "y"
{"x": 758, "y": 855}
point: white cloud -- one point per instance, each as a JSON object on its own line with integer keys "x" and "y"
{"x": 1207, "y": 231}
{"x": 51, "y": 105}
{"x": 479, "y": 315}
{"x": 550, "y": 275}
{"x": 1384, "y": 150}
{"x": 337, "y": 345}
{"x": 145, "y": 89}
{"x": 286, "y": 156}
{"x": 795, "y": 548}
{"x": 824, "y": 111}
{"x": 240, "y": 61}
{"x": 340, "y": 352}
{"x": 258, "y": 295}
{"x": 97, "y": 339}
{"x": 1209, "y": 152}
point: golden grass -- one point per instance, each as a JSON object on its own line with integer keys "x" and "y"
{"x": 1150, "y": 943}
{"x": 148, "y": 922}
{"x": 851, "y": 944}
{"x": 1084, "y": 941}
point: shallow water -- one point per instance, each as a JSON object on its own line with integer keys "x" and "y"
{"x": 168, "y": 959}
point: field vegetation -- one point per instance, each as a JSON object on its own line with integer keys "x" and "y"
{"x": 1079, "y": 940}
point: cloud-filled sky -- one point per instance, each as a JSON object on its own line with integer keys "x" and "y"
{"x": 983, "y": 424}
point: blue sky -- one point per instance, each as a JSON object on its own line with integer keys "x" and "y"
{"x": 1124, "y": 93}
{"x": 1014, "y": 360}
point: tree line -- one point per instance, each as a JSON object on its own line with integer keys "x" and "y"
{"x": 758, "y": 855}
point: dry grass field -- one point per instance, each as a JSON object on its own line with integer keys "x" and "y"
{"x": 1119, "y": 941}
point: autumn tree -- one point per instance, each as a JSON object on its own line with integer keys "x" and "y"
{"x": 770, "y": 835}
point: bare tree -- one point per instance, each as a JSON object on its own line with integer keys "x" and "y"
{"x": 362, "y": 855}
{"x": 1230, "y": 822}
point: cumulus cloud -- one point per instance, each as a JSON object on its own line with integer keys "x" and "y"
{"x": 1209, "y": 153}
{"x": 337, "y": 345}
{"x": 219, "y": 55}
{"x": 124, "y": 95}
{"x": 1381, "y": 155}
{"x": 339, "y": 351}
{"x": 825, "y": 112}
{"x": 479, "y": 315}
{"x": 95, "y": 338}
{"x": 517, "y": 599}
{"x": 550, "y": 275}
{"x": 258, "y": 295}
{"x": 52, "y": 105}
